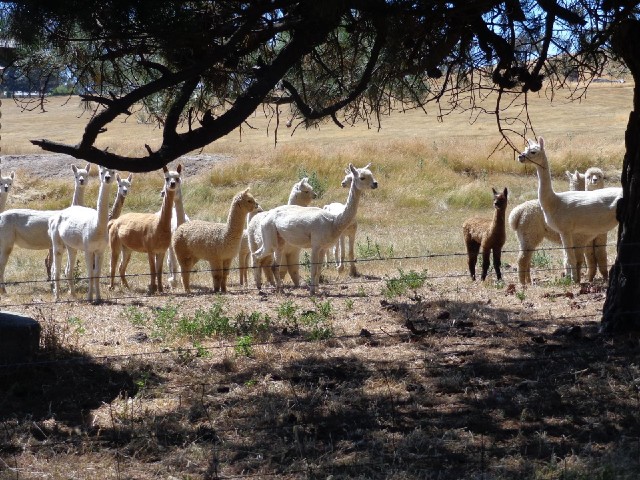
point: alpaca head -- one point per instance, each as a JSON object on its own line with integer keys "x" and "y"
{"x": 302, "y": 193}
{"x": 106, "y": 175}
{"x": 245, "y": 201}
{"x": 500, "y": 199}
{"x": 594, "y": 178}
{"x": 6, "y": 182}
{"x": 171, "y": 178}
{"x": 576, "y": 180}
{"x": 364, "y": 179}
{"x": 81, "y": 175}
{"x": 534, "y": 153}
{"x": 124, "y": 184}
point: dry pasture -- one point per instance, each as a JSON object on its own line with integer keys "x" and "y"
{"x": 408, "y": 371}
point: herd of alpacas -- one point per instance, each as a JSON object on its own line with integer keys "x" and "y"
{"x": 270, "y": 241}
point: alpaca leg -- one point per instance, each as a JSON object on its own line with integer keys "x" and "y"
{"x": 338, "y": 253}
{"x": 486, "y": 262}
{"x": 97, "y": 271}
{"x": 294, "y": 267}
{"x": 4, "y": 258}
{"x": 569, "y": 257}
{"x": 256, "y": 266}
{"x": 216, "y": 273}
{"x": 124, "y": 263}
{"x": 473, "y": 248}
{"x": 353, "y": 271}
{"x": 315, "y": 270}
{"x": 497, "y": 261}
{"x": 159, "y": 263}
{"x": 580, "y": 258}
{"x": 186, "y": 265}
{"x": 524, "y": 265}
{"x": 276, "y": 259}
{"x": 48, "y": 263}
{"x": 115, "y": 256}
{"x": 242, "y": 268}
{"x": 71, "y": 258}
{"x": 153, "y": 288}
{"x": 89, "y": 260}
{"x": 600, "y": 251}
{"x": 57, "y": 262}
{"x": 172, "y": 265}
{"x": 269, "y": 268}
{"x": 592, "y": 262}
{"x": 226, "y": 266}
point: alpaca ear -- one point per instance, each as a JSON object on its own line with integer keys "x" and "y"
{"x": 353, "y": 170}
{"x": 74, "y": 168}
{"x": 165, "y": 169}
{"x": 13, "y": 175}
{"x": 541, "y": 142}
{"x": 88, "y": 169}
{"x": 118, "y": 177}
{"x": 367, "y": 166}
{"x": 506, "y": 192}
{"x": 494, "y": 191}
{"x": 179, "y": 168}
{"x": 130, "y": 177}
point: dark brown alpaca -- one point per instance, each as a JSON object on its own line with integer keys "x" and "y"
{"x": 486, "y": 235}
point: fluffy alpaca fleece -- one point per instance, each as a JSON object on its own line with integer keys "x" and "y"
{"x": 217, "y": 243}
{"x": 311, "y": 227}
{"x": 144, "y": 232}
{"x": 487, "y": 235}
{"x": 5, "y": 186}
{"x": 572, "y": 213}
{"x": 82, "y": 228}
{"x": 596, "y": 253}
{"x": 527, "y": 220}
{"x": 301, "y": 194}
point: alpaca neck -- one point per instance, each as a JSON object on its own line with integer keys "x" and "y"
{"x": 78, "y": 196}
{"x": 498, "y": 223}
{"x": 103, "y": 205}
{"x": 181, "y": 217}
{"x": 235, "y": 221}
{"x": 346, "y": 217}
{"x": 3, "y": 200}
{"x": 545, "y": 188}
{"x": 300, "y": 200}
{"x": 116, "y": 210}
{"x": 164, "y": 222}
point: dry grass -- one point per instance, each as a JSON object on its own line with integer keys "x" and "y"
{"x": 446, "y": 379}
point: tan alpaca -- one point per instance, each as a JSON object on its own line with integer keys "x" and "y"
{"x": 217, "y": 243}
{"x": 144, "y": 232}
{"x": 487, "y": 235}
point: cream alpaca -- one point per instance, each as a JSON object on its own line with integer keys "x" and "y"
{"x": 82, "y": 228}
{"x": 124, "y": 185}
{"x": 217, "y": 243}
{"x": 596, "y": 253}
{"x": 311, "y": 227}
{"x": 144, "y": 232}
{"x": 571, "y": 214}
{"x": 5, "y": 186}
{"x": 29, "y": 228}
{"x": 488, "y": 236}
{"x": 301, "y": 194}
{"x": 244, "y": 255}
{"x": 349, "y": 233}
{"x": 178, "y": 217}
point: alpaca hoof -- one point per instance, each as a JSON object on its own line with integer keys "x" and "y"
{"x": 341, "y": 269}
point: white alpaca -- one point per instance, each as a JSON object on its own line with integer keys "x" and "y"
{"x": 29, "y": 228}
{"x": 596, "y": 253}
{"x": 5, "y": 186}
{"x": 82, "y": 228}
{"x": 178, "y": 217}
{"x": 571, "y": 214}
{"x": 311, "y": 227}
{"x": 349, "y": 233}
{"x": 244, "y": 255}
{"x": 301, "y": 195}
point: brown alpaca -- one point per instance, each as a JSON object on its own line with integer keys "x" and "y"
{"x": 217, "y": 243}
{"x": 486, "y": 235}
{"x": 144, "y": 232}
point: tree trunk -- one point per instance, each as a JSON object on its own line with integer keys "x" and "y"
{"x": 621, "y": 312}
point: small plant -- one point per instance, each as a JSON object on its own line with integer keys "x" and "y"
{"x": 412, "y": 280}
{"x": 373, "y": 250}
{"x": 244, "y": 346}
{"x": 135, "y": 316}
{"x": 521, "y": 295}
{"x": 164, "y": 322}
{"x": 541, "y": 259}
{"x": 319, "y": 321}
{"x": 253, "y": 323}
{"x": 76, "y": 325}
{"x": 287, "y": 314}
{"x": 349, "y": 304}
{"x": 361, "y": 292}
{"x": 206, "y": 323}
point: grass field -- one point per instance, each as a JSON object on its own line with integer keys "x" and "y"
{"x": 408, "y": 371}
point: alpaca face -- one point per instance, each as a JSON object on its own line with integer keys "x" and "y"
{"x": 106, "y": 175}
{"x": 81, "y": 175}
{"x": 304, "y": 190}
{"x": 171, "y": 178}
{"x": 246, "y": 201}
{"x": 534, "y": 153}
{"x": 124, "y": 184}
{"x": 500, "y": 199}
{"x": 594, "y": 178}
{"x": 364, "y": 178}
{"x": 6, "y": 182}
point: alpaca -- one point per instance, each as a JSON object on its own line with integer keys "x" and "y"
{"x": 527, "y": 220}
{"x": 217, "y": 243}
{"x": 144, "y": 232}
{"x": 5, "y": 186}
{"x": 244, "y": 255}
{"x": 349, "y": 233}
{"x": 124, "y": 184}
{"x": 596, "y": 253}
{"x": 488, "y": 235}
{"x": 82, "y": 228}
{"x": 178, "y": 217}
{"x": 311, "y": 227}
{"x": 572, "y": 213}
{"x": 80, "y": 180}
{"x": 301, "y": 194}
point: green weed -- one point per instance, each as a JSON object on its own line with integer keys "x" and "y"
{"x": 164, "y": 322}
{"x": 319, "y": 186}
{"x": 394, "y": 287}
{"x": 206, "y": 323}
{"x": 244, "y": 346}
{"x": 373, "y": 250}
{"x": 135, "y": 316}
